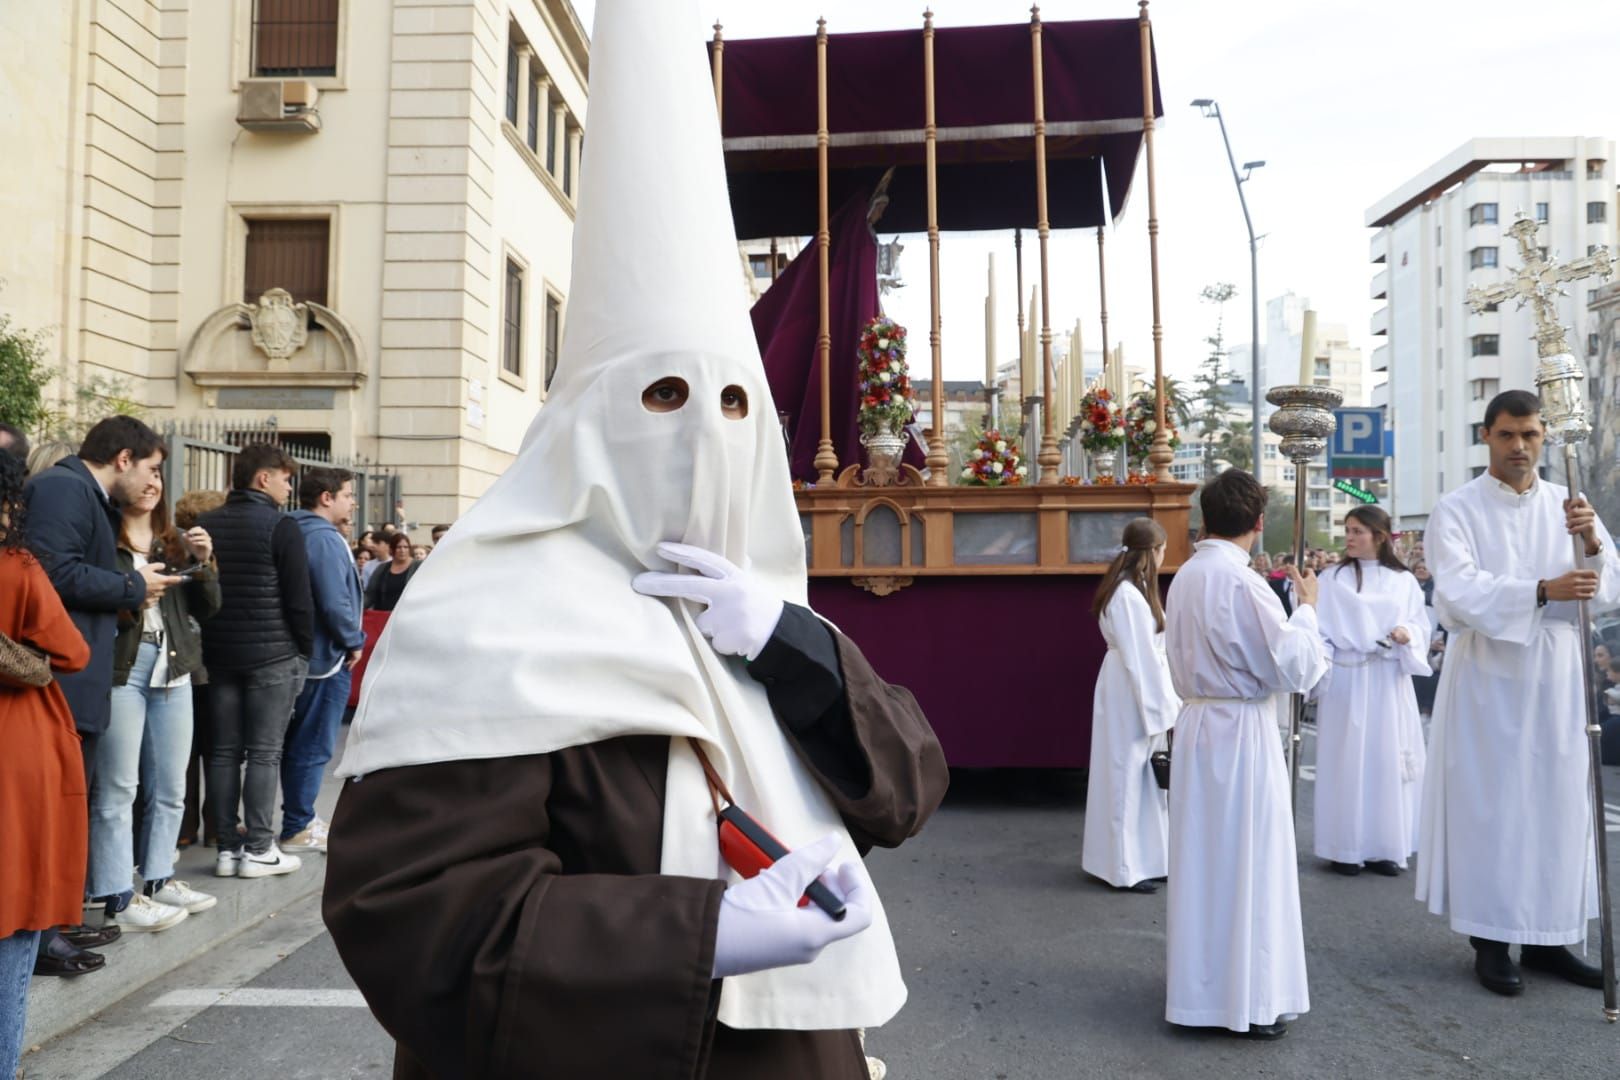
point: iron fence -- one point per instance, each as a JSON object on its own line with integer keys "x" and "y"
{"x": 202, "y": 452}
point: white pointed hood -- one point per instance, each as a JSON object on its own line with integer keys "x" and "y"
{"x": 521, "y": 634}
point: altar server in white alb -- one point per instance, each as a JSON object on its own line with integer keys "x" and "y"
{"x": 1132, "y": 709}
{"x": 1369, "y": 739}
{"x": 1505, "y": 847}
{"x": 1236, "y": 946}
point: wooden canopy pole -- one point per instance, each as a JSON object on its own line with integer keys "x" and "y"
{"x": 1161, "y": 455}
{"x": 1102, "y": 299}
{"x": 826, "y": 458}
{"x": 716, "y": 64}
{"x": 938, "y": 459}
{"x": 1050, "y": 457}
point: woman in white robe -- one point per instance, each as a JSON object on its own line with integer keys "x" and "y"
{"x": 1369, "y": 738}
{"x": 1133, "y": 707}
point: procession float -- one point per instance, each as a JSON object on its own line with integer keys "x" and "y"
{"x": 971, "y": 584}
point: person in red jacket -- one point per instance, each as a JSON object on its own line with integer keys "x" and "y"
{"x": 44, "y": 829}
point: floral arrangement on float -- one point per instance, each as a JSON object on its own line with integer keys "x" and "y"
{"x": 1102, "y": 432}
{"x": 886, "y": 397}
{"x": 994, "y": 462}
{"x": 1141, "y": 425}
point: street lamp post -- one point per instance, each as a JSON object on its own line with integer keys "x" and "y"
{"x": 1211, "y": 108}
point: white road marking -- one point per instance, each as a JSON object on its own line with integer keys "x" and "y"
{"x": 262, "y": 997}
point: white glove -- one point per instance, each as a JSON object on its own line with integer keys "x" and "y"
{"x": 762, "y": 925}
{"x": 742, "y": 613}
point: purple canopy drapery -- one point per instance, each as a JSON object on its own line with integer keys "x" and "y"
{"x": 787, "y": 320}
{"x": 984, "y": 109}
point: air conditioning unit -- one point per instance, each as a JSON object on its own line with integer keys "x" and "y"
{"x": 278, "y": 105}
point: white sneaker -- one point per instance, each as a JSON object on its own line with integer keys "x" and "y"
{"x": 311, "y": 839}
{"x": 147, "y": 916}
{"x": 271, "y": 862}
{"x": 179, "y": 894}
{"x": 227, "y": 863}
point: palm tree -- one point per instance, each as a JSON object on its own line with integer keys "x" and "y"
{"x": 1236, "y": 446}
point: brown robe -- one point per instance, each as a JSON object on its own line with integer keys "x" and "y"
{"x": 507, "y": 917}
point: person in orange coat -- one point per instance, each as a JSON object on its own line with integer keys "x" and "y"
{"x": 44, "y": 829}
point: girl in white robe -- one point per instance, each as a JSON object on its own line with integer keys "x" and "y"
{"x": 1133, "y": 707}
{"x": 1369, "y": 737}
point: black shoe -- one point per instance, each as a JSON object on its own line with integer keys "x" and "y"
{"x": 1386, "y": 867}
{"x": 1496, "y": 970}
{"x": 1144, "y": 886}
{"x": 1265, "y": 1032}
{"x": 91, "y": 937}
{"x": 60, "y": 958}
{"x": 1561, "y": 962}
{"x": 1348, "y": 869}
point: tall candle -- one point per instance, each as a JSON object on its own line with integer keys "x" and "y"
{"x": 1307, "y": 350}
{"x": 990, "y": 328}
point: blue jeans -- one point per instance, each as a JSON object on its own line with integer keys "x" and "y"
{"x": 16, "y": 968}
{"x": 311, "y": 739}
{"x": 146, "y": 742}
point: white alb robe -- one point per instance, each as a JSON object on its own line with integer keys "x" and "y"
{"x": 1505, "y": 844}
{"x": 1133, "y": 705}
{"x": 1236, "y": 948}
{"x": 1369, "y": 738}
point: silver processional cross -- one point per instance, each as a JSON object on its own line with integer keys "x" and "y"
{"x": 1537, "y": 283}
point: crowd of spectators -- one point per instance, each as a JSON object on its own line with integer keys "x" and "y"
{"x": 172, "y": 665}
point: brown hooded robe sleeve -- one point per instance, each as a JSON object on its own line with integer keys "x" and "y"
{"x": 506, "y": 917}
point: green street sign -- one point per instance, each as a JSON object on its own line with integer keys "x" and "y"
{"x": 1355, "y": 491}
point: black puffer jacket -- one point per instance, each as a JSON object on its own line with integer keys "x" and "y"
{"x": 183, "y": 608}
{"x": 268, "y": 614}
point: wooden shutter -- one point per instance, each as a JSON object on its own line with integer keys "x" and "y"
{"x": 295, "y": 37}
{"x": 289, "y": 255}
{"x": 553, "y": 335}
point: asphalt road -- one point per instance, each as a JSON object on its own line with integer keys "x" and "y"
{"x": 1019, "y": 966}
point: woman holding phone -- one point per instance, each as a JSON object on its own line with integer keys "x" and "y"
{"x": 148, "y": 740}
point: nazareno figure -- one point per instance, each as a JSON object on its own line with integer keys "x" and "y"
{"x": 525, "y": 876}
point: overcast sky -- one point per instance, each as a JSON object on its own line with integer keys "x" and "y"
{"x": 1343, "y": 99}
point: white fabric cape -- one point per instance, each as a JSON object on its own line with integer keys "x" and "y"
{"x": 1369, "y": 737}
{"x": 1235, "y": 945}
{"x": 1127, "y": 820}
{"x": 1505, "y": 844}
{"x": 522, "y": 635}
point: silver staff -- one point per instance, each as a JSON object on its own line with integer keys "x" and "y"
{"x": 1304, "y": 419}
{"x": 1559, "y": 380}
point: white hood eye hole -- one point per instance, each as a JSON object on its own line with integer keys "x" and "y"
{"x": 668, "y": 394}
{"x": 734, "y": 402}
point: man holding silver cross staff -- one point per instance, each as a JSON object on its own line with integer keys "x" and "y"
{"x": 1512, "y": 806}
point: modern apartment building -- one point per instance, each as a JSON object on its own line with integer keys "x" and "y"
{"x": 351, "y": 217}
{"x": 1444, "y": 230}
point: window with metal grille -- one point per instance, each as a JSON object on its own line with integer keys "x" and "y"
{"x": 532, "y": 136}
{"x": 512, "y": 336}
{"x": 294, "y": 38}
{"x": 553, "y": 335}
{"x": 511, "y": 80}
{"x": 1597, "y": 213}
{"x": 1481, "y": 257}
{"x": 1486, "y": 345}
{"x": 286, "y": 254}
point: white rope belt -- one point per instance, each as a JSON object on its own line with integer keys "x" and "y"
{"x": 1226, "y": 700}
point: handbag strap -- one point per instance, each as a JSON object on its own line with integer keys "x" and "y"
{"x": 717, "y": 786}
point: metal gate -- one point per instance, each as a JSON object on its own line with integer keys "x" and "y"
{"x": 201, "y": 453}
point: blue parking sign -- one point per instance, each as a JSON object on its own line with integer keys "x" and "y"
{"x": 1357, "y": 449}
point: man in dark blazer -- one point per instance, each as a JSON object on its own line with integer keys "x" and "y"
{"x": 73, "y": 526}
